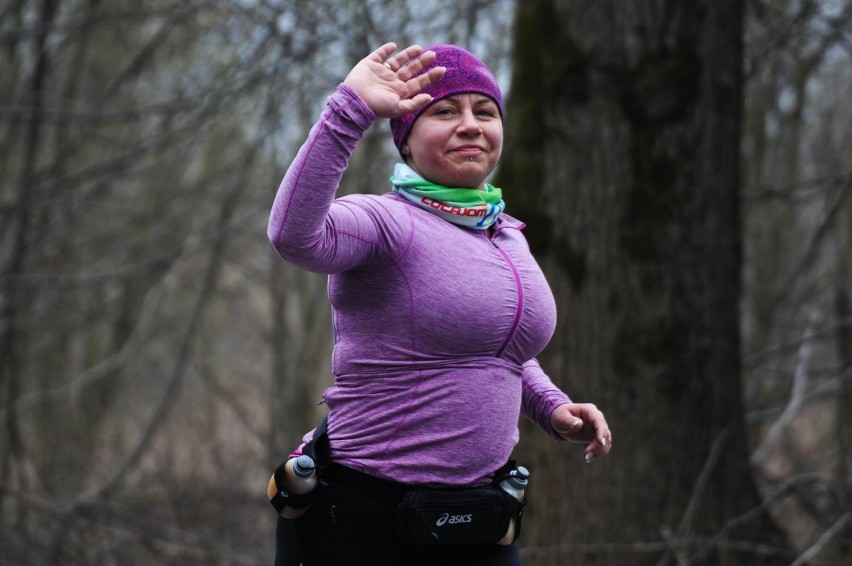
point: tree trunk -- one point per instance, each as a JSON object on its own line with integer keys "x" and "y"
{"x": 622, "y": 157}
{"x": 14, "y": 297}
{"x": 843, "y": 306}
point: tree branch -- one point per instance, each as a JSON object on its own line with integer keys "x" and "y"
{"x": 796, "y": 398}
{"x": 815, "y": 549}
{"x": 170, "y": 396}
{"x": 786, "y": 288}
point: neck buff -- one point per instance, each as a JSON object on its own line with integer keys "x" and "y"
{"x": 473, "y": 208}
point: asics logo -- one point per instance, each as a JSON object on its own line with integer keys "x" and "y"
{"x": 447, "y": 519}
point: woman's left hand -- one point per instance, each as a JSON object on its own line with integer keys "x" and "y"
{"x": 583, "y": 422}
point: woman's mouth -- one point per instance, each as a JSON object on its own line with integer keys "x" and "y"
{"x": 468, "y": 151}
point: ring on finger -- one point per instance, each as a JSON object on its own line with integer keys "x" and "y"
{"x": 388, "y": 65}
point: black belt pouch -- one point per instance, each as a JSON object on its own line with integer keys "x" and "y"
{"x": 478, "y": 515}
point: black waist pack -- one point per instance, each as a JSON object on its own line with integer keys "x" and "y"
{"x": 479, "y": 515}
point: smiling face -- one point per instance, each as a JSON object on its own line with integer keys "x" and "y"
{"x": 457, "y": 141}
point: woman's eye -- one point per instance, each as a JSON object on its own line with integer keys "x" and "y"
{"x": 444, "y": 111}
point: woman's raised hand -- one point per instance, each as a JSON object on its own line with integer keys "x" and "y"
{"x": 386, "y": 81}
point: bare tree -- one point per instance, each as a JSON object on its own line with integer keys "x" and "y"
{"x": 622, "y": 157}
{"x": 157, "y": 359}
{"x": 797, "y": 260}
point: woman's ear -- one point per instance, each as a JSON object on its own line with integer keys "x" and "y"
{"x": 405, "y": 150}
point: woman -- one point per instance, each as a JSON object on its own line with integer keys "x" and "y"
{"x": 439, "y": 308}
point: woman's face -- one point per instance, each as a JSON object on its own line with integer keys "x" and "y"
{"x": 457, "y": 141}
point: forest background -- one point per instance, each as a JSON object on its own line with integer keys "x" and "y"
{"x": 158, "y": 360}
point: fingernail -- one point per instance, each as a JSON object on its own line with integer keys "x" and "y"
{"x": 603, "y": 441}
{"x": 590, "y": 458}
{"x": 578, "y": 422}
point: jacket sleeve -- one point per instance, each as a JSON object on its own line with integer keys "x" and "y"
{"x": 307, "y": 227}
{"x": 540, "y": 397}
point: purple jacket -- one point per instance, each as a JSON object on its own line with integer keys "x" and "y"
{"x": 436, "y": 326}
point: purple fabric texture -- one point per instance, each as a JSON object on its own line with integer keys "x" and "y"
{"x": 436, "y": 326}
{"x": 465, "y": 73}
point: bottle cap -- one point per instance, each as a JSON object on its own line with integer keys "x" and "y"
{"x": 518, "y": 477}
{"x": 304, "y": 466}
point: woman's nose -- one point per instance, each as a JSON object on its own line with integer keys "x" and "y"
{"x": 468, "y": 124}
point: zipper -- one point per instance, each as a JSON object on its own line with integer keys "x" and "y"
{"x": 519, "y": 304}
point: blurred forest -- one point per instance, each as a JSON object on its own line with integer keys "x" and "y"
{"x": 157, "y": 359}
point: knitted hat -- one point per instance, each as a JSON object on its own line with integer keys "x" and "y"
{"x": 464, "y": 73}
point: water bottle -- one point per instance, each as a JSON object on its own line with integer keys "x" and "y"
{"x": 299, "y": 478}
{"x": 514, "y": 484}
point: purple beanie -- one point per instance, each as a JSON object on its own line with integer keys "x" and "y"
{"x": 465, "y": 73}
